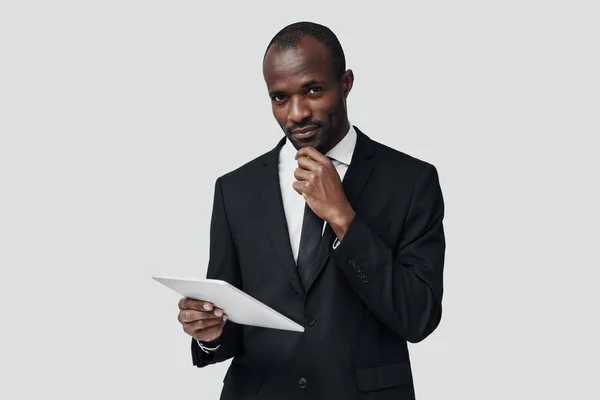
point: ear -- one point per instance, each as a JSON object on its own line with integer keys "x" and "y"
{"x": 347, "y": 82}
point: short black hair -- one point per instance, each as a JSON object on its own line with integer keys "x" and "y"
{"x": 288, "y": 38}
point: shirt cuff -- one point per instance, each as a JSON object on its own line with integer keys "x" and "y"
{"x": 207, "y": 349}
{"x": 336, "y": 243}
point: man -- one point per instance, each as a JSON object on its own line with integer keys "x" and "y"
{"x": 358, "y": 263}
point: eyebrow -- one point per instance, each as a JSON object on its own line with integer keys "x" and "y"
{"x": 304, "y": 86}
{"x": 312, "y": 83}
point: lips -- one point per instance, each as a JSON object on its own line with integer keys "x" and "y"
{"x": 305, "y": 133}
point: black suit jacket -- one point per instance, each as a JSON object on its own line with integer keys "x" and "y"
{"x": 381, "y": 287}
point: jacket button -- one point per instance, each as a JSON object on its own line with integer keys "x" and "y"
{"x": 310, "y": 321}
{"x": 302, "y": 382}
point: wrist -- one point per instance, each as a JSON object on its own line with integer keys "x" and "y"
{"x": 341, "y": 222}
{"x": 210, "y": 343}
{"x": 208, "y": 347}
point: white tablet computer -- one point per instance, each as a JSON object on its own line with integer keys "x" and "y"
{"x": 239, "y": 307}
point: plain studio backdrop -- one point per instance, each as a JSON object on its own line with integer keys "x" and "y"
{"x": 117, "y": 117}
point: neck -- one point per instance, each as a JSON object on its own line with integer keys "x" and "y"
{"x": 342, "y": 134}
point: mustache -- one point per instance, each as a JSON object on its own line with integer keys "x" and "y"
{"x": 308, "y": 124}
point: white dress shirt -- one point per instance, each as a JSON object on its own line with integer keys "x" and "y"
{"x": 293, "y": 203}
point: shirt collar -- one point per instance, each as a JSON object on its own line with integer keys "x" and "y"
{"x": 341, "y": 152}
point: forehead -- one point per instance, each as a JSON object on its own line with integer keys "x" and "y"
{"x": 309, "y": 60}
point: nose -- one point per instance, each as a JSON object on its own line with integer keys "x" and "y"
{"x": 299, "y": 110}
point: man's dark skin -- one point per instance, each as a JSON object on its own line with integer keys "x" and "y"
{"x": 308, "y": 98}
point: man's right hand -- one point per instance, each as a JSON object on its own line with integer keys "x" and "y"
{"x": 200, "y": 319}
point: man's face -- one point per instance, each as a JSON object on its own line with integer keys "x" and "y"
{"x": 308, "y": 101}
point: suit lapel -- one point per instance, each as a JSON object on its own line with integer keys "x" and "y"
{"x": 274, "y": 216}
{"x": 354, "y": 182}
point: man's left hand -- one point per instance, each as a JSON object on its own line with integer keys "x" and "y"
{"x": 319, "y": 183}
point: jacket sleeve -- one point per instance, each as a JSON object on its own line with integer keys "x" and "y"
{"x": 401, "y": 286}
{"x": 223, "y": 264}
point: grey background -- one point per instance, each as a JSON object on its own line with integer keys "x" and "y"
{"x": 116, "y": 117}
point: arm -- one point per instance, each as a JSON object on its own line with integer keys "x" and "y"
{"x": 401, "y": 286}
{"x": 223, "y": 264}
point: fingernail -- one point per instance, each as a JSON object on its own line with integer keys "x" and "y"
{"x": 224, "y": 317}
{"x": 218, "y": 313}
{"x": 207, "y": 307}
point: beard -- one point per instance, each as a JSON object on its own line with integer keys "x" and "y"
{"x": 329, "y": 130}
{"x": 323, "y": 139}
{"x": 320, "y": 141}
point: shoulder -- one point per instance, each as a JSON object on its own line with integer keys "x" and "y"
{"x": 245, "y": 176}
{"x": 399, "y": 162}
{"x": 404, "y": 174}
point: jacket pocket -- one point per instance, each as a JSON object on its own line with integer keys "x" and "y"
{"x": 383, "y": 376}
{"x": 243, "y": 379}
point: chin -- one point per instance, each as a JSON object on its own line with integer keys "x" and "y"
{"x": 316, "y": 143}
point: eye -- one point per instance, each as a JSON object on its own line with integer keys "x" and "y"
{"x": 278, "y": 98}
{"x": 315, "y": 90}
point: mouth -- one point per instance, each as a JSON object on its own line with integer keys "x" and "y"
{"x": 305, "y": 133}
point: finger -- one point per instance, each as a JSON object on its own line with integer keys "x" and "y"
{"x": 218, "y": 312}
{"x": 210, "y": 334}
{"x": 192, "y": 328}
{"x": 189, "y": 315}
{"x": 197, "y": 326}
{"x": 301, "y": 187}
{"x": 199, "y": 305}
{"x": 310, "y": 164}
{"x": 302, "y": 174}
{"x": 312, "y": 153}
{"x": 181, "y": 303}
{"x": 204, "y": 324}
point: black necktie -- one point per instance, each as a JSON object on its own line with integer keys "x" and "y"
{"x": 312, "y": 226}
